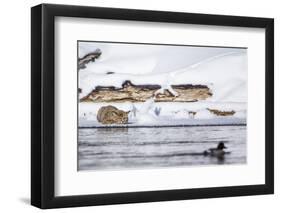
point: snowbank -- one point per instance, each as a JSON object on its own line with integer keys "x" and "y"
{"x": 224, "y": 70}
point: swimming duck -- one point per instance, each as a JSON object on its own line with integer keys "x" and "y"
{"x": 217, "y": 152}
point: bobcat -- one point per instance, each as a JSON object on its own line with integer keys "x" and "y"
{"x": 112, "y": 115}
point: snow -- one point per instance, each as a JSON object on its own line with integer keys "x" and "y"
{"x": 204, "y": 114}
{"x": 176, "y": 113}
{"x": 223, "y": 70}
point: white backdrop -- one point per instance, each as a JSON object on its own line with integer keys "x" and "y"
{"x": 15, "y": 106}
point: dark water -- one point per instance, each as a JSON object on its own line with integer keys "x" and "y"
{"x": 133, "y": 148}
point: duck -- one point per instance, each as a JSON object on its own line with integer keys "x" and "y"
{"x": 217, "y": 152}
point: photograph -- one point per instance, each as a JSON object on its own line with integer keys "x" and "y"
{"x": 139, "y": 105}
{"x": 160, "y": 105}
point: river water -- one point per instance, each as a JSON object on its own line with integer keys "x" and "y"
{"x": 140, "y": 148}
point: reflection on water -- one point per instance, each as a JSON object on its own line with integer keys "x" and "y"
{"x": 133, "y": 148}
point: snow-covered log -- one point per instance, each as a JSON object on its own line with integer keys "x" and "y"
{"x": 141, "y": 93}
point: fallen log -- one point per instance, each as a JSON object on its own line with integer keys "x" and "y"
{"x": 90, "y": 57}
{"x": 221, "y": 112}
{"x": 141, "y": 93}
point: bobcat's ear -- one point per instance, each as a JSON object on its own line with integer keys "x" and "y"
{"x": 128, "y": 112}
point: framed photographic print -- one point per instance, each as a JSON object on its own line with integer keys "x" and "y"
{"x": 139, "y": 106}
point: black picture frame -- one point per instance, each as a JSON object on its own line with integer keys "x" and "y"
{"x": 43, "y": 105}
